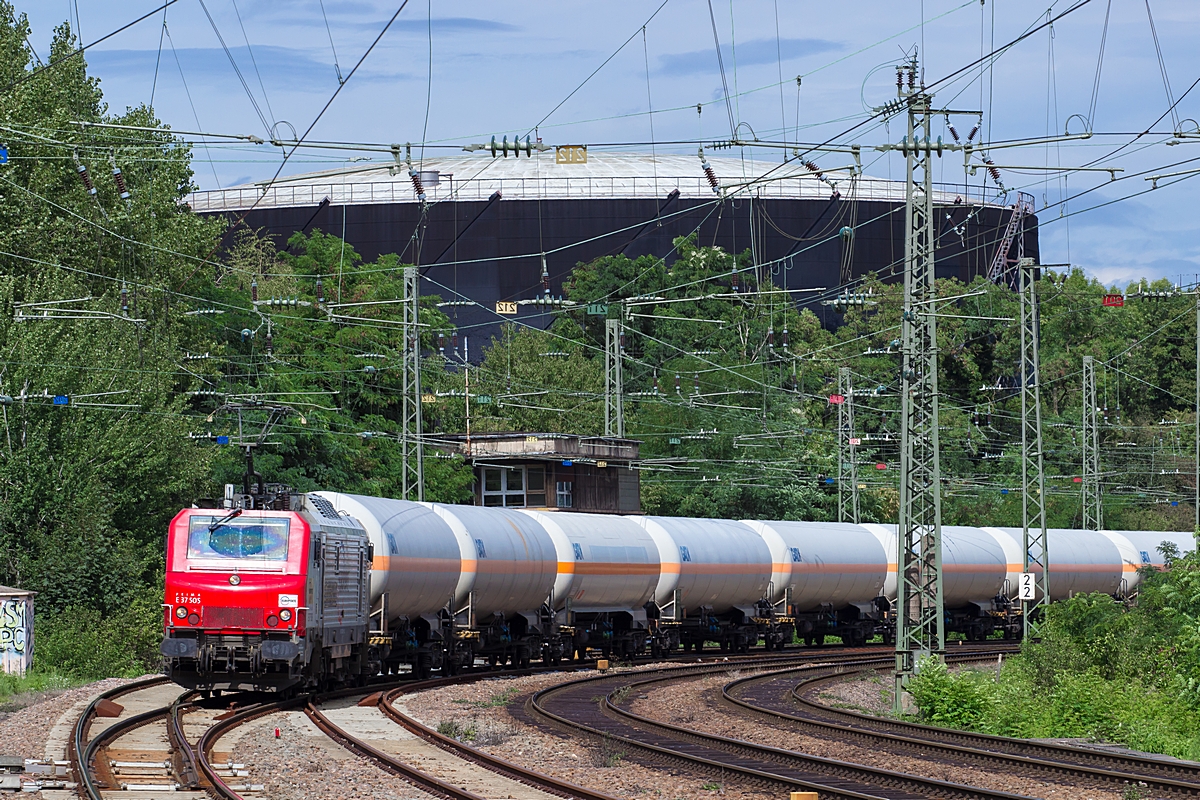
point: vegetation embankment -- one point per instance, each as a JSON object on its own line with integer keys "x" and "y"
{"x": 1102, "y": 670}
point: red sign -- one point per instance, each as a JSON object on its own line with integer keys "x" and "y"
{"x": 881, "y": 466}
{"x": 1077, "y": 480}
{"x": 836, "y": 399}
{"x": 1114, "y": 300}
{"x": 855, "y": 441}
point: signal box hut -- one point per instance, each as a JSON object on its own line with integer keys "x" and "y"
{"x": 16, "y": 630}
{"x": 552, "y": 471}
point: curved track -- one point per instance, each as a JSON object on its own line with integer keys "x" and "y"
{"x": 186, "y": 764}
{"x": 574, "y": 706}
{"x": 592, "y": 706}
{"x": 419, "y": 778}
{"x": 785, "y": 699}
{"x": 171, "y": 766}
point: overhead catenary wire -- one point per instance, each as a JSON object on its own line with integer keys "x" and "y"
{"x": 83, "y": 48}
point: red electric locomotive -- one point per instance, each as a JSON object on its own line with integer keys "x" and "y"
{"x": 267, "y": 593}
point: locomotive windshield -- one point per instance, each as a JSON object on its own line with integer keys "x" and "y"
{"x": 261, "y": 539}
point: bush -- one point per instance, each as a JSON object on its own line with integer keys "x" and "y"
{"x": 1101, "y": 671}
{"x": 83, "y": 644}
{"x": 959, "y": 700}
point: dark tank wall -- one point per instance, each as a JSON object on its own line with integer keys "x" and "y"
{"x": 489, "y": 251}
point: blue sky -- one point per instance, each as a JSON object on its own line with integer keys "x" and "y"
{"x": 501, "y": 68}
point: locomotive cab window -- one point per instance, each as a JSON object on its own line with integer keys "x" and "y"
{"x": 245, "y": 538}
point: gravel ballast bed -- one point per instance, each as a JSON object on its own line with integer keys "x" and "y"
{"x": 484, "y": 707}
{"x": 303, "y": 763}
{"x": 697, "y": 704}
{"x": 25, "y": 730}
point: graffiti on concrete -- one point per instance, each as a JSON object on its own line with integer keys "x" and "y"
{"x": 14, "y": 626}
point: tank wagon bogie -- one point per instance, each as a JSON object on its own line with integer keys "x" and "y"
{"x": 299, "y": 591}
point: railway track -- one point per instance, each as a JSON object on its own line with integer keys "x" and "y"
{"x": 785, "y": 699}
{"x": 592, "y": 706}
{"x": 185, "y": 734}
{"x": 140, "y": 749}
{"x": 177, "y": 735}
{"x": 391, "y": 753}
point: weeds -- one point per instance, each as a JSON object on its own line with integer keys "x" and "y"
{"x": 457, "y": 730}
{"x": 1135, "y": 791}
{"x": 498, "y": 700}
{"x": 610, "y": 754}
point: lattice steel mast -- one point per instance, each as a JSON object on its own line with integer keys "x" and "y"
{"x": 412, "y": 456}
{"x": 1093, "y": 519}
{"x": 1033, "y": 482}
{"x": 614, "y": 407}
{"x": 920, "y": 629}
{"x": 847, "y": 464}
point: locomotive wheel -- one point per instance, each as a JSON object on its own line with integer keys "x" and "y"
{"x": 493, "y": 660}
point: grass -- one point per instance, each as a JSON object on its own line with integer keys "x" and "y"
{"x": 498, "y": 700}
{"x": 12, "y": 688}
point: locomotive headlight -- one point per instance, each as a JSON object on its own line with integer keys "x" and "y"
{"x": 285, "y": 614}
{"x": 235, "y": 579}
{"x": 272, "y": 621}
{"x": 181, "y": 612}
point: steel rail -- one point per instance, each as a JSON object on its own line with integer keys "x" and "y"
{"x": 752, "y": 761}
{"x": 214, "y": 732}
{"x": 80, "y": 751}
{"x": 183, "y": 755}
{"x": 424, "y": 780}
{"x": 222, "y": 790}
{"x": 537, "y": 780}
{"x": 1051, "y": 759}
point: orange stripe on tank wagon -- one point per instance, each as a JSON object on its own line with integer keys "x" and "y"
{"x": 606, "y": 568}
{"x": 1068, "y": 569}
{"x": 817, "y": 569}
{"x": 405, "y": 564}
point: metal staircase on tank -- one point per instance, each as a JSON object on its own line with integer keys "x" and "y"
{"x": 1004, "y": 266}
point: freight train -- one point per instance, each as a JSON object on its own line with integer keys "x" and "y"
{"x": 293, "y": 591}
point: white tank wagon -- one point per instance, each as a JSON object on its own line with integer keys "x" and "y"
{"x": 714, "y": 581}
{"x": 608, "y": 569}
{"x": 453, "y": 583}
{"x": 1147, "y": 543}
{"x": 833, "y": 578}
{"x": 1082, "y": 562}
{"x": 449, "y": 583}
